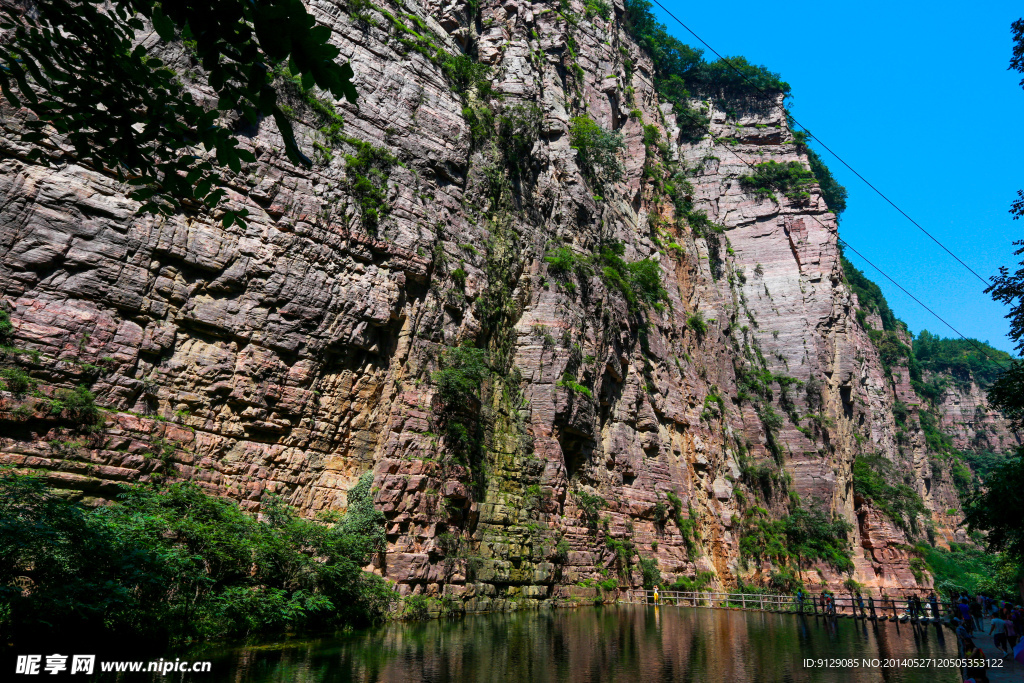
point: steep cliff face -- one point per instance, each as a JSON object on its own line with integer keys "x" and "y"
{"x": 295, "y": 353}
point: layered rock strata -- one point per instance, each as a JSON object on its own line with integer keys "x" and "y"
{"x": 295, "y": 353}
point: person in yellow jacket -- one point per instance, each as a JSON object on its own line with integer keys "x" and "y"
{"x": 655, "y": 595}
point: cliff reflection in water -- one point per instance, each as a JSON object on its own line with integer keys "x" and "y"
{"x": 619, "y": 643}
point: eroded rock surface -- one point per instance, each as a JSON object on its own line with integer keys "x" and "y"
{"x": 294, "y": 354}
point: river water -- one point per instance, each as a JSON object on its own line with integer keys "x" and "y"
{"x": 625, "y": 643}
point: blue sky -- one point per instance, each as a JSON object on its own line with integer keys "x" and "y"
{"x": 918, "y": 99}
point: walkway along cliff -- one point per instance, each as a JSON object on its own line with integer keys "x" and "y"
{"x": 571, "y": 335}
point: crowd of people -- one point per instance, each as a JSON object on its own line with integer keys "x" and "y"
{"x": 1006, "y": 626}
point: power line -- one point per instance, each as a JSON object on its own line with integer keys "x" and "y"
{"x": 987, "y": 283}
{"x": 973, "y": 342}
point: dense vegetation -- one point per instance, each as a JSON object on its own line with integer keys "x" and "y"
{"x": 868, "y": 294}
{"x": 597, "y": 151}
{"x": 459, "y": 379}
{"x": 834, "y": 193}
{"x": 175, "y": 564}
{"x": 769, "y": 177}
{"x": 972, "y": 569}
{"x": 682, "y": 72}
{"x": 804, "y": 536}
{"x": 960, "y": 357}
{"x": 876, "y": 480}
{"x": 639, "y": 282}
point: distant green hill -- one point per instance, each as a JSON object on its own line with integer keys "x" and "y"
{"x": 960, "y": 358}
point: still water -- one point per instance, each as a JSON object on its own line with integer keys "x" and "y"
{"x": 628, "y": 643}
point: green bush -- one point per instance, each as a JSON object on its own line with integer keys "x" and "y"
{"x": 834, "y": 193}
{"x": 416, "y": 607}
{"x": 869, "y": 294}
{"x": 697, "y": 323}
{"x": 872, "y": 475}
{"x": 459, "y": 278}
{"x": 569, "y": 382}
{"x": 601, "y": 8}
{"x": 17, "y": 381}
{"x": 699, "y": 582}
{"x": 803, "y": 536}
{"x": 590, "y": 505}
{"x": 77, "y": 405}
{"x": 462, "y": 372}
{"x": 6, "y": 328}
{"x": 480, "y": 119}
{"x": 639, "y": 282}
{"x": 518, "y": 130}
{"x": 769, "y": 177}
{"x": 651, "y": 575}
{"x": 681, "y": 72}
{"x": 961, "y": 358}
{"x": 179, "y": 565}
{"x": 367, "y": 173}
{"x": 597, "y": 151}
{"x": 465, "y": 74}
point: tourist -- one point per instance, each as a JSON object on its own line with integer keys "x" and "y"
{"x": 976, "y": 613}
{"x": 933, "y": 602}
{"x": 911, "y": 610}
{"x": 998, "y": 632}
{"x": 823, "y": 602}
{"x": 965, "y": 614}
{"x": 860, "y": 601}
{"x": 800, "y": 600}
{"x": 871, "y": 606}
{"x": 1018, "y": 624}
{"x": 964, "y": 642}
{"x": 976, "y": 667}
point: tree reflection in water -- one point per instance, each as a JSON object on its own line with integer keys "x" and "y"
{"x": 626, "y": 643}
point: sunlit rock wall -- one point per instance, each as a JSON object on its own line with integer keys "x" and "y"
{"x": 294, "y": 354}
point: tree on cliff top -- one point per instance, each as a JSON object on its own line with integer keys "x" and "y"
{"x": 80, "y": 68}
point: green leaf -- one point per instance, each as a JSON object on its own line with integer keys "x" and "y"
{"x": 163, "y": 25}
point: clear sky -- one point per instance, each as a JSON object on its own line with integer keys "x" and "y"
{"x": 917, "y": 97}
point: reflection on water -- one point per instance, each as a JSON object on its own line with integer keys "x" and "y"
{"x": 630, "y": 643}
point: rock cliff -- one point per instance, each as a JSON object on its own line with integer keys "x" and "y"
{"x": 295, "y": 353}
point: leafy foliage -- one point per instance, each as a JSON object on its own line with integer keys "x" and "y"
{"x": 177, "y": 564}
{"x": 590, "y": 505}
{"x": 993, "y": 510}
{"x": 869, "y": 295}
{"x": 1007, "y": 394}
{"x": 67, "y": 56}
{"x": 459, "y": 381}
{"x": 961, "y": 358}
{"x": 696, "y": 322}
{"x": 872, "y": 475}
{"x": 680, "y": 71}
{"x": 834, "y": 193}
{"x": 639, "y": 282}
{"x": 367, "y": 172}
{"x": 601, "y": 8}
{"x": 770, "y": 177}
{"x": 597, "y": 151}
{"x": 6, "y": 328}
{"x": 971, "y": 569}
{"x": 651, "y": 575}
{"x": 803, "y": 535}
{"x": 518, "y": 130}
